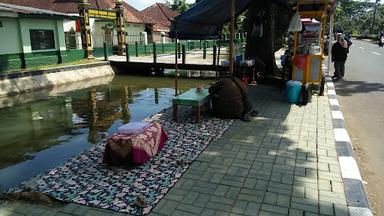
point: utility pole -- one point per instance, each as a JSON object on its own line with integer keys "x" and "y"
{"x": 374, "y": 14}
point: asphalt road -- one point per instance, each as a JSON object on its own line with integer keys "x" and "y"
{"x": 361, "y": 96}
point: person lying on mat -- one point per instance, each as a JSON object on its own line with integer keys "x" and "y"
{"x": 230, "y": 99}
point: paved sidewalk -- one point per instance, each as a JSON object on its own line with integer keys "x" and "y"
{"x": 284, "y": 162}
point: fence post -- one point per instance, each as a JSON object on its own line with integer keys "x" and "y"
{"x": 22, "y": 58}
{"x": 184, "y": 55}
{"x": 137, "y": 48}
{"x": 162, "y": 47}
{"x": 200, "y": 44}
{"x": 127, "y": 52}
{"x": 145, "y": 49}
{"x": 59, "y": 58}
{"x": 205, "y": 50}
{"x": 218, "y": 55}
{"x": 154, "y": 53}
{"x": 105, "y": 52}
{"x": 179, "y": 50}
{"x": 214, "y": 54}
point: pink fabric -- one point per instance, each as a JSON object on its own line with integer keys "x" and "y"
{"x": 139, "y": 156}
{"x": 136, "y": 148}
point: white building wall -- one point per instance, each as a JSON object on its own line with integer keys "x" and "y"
{"x": 68, "y": 25}
{"x": 9, "y": 36}
{"x": 98, "y": 34}
{"x": 28, "y": 24}
{"x": 134, "y": 33}
{"x": 60, "y": 38}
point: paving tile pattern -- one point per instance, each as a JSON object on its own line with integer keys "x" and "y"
{"x": 283, "y": 163}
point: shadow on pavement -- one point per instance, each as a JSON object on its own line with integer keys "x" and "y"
{"x": 284, "y": 162}
{"x": 348, "y": 88}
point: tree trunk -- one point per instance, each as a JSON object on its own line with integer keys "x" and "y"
{"x": 273, "y": 18}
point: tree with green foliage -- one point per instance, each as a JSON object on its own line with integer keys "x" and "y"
{"x": 178, "y": 5}
{"x": 360, "y": 17}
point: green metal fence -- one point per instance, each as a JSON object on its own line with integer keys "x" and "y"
{"x": 144, "y": 50}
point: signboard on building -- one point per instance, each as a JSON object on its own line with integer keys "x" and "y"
{"x": 102, "y": 14}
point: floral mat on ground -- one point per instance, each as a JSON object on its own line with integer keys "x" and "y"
{"x": 85, "y": 180}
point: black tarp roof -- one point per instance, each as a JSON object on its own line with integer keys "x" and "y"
{"x": 204, "y": 20}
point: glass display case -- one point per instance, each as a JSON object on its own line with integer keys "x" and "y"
{"x": 308, "y": 51}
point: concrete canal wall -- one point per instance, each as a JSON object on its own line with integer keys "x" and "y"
{"x": 11, "y": 84}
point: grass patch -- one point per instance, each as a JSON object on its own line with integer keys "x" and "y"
{"x": 81, "y": 62}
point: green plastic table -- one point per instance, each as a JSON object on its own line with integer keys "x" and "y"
{"x": 191, "y": 98}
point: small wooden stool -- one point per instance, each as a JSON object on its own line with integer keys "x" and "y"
{"x": 191, "y": 98}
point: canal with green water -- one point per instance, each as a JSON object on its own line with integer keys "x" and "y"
{"x": 41, "y": 130}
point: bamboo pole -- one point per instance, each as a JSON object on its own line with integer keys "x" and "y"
{"x": 232, "y": 35}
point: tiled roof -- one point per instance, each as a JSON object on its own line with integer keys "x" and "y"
{"x": 134, "y": 16}
{"x": 30, "y": 10}
{"x": 161, "y": 14}
{"x": 70, "y": 7}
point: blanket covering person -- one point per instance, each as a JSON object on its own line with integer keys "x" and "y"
{"x": 229, "y": 98}
{"x": 136, "y": 149}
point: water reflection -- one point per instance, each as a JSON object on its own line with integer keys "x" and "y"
{"x": 126, "y": 93}
{"x": 93, "y": 116}
{"x": 42, "y": 132}
{"x": 156, "y": 96}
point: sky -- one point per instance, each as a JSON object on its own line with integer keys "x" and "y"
{"x": 141, "y": 4}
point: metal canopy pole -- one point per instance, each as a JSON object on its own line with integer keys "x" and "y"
{"x": 232, "y": 35}
{"x": 176, "y": 68}
{"x": 331, "y": 20}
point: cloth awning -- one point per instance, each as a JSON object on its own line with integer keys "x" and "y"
{"x": 204, "y": 20}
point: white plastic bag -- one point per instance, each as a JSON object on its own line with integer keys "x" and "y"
{"x": 295, "y": 24}
{"x": 133, "y": 128}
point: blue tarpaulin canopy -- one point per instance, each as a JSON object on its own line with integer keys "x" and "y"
{"x": 205, "y": 19}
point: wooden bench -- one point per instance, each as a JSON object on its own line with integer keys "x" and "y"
{"x": 191, "y": 98}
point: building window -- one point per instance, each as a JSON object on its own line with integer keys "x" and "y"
{"x": 42, "y": 39}
{"x": 70, "y": 39}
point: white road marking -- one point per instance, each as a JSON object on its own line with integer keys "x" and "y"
{"x": 341, "y": 135}
{"x": 331, "y": 92}
{"x": 349, "y": 168}
{"x": 334, "y": 102}
{"x": 362, "y": 48}
{"x": 376, "y": 53}
{"x": 337, "y": 115}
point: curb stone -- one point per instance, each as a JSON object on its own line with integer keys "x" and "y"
{"x": 358, "y": 204}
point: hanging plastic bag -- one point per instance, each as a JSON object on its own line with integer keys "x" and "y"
{"x": 300, "y": 61}
{"x": 295, "y": 25}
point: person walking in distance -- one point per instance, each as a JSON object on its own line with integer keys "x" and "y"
{"x": 339, "y": 56}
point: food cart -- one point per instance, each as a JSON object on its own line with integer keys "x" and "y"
{"x": 308, "y": 49}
